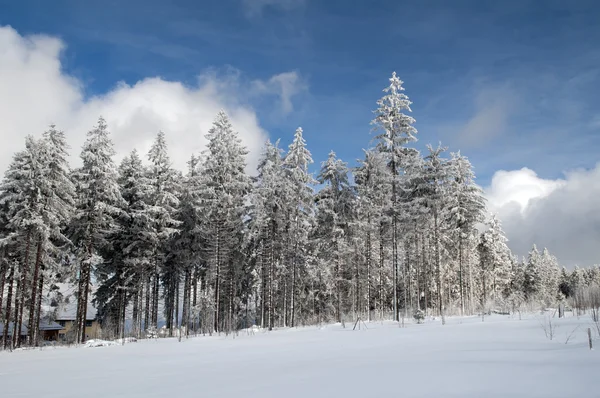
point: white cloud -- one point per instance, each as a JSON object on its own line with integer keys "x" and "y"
{"x": 284, "y": 85}
{"x": 255, "y": 8}
{"x": 35, "y": 91}
{"x": 493, "y": 109}
{"x": 519, "y": 187}
{"x": 560, "y": 214}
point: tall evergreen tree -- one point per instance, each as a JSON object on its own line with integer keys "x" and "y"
{"x": 99, "y": 202}
{"x": 268, "y": 203}
{"x": 300, "y": 212}
{"x": 163, "y": 201}
{"x": 226, "y": 186}
{"x": 467, "y": 209}
{"x": 371, "y": 175}
{"x": 395, "y": 132}
{"x": 495, "y": 262}
{"x": 336, "y": 206}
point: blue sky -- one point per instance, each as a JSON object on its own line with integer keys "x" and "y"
{"x": 510, "y": 83}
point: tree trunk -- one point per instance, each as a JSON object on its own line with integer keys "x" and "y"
{"x": 460, "y": 275}
{"x": 285, "y": 302}
{"x": 381, "y": 264}
{"x": 34, "y": 285}
{"x": 436, "y": 236}
{"x": 38, "y": 309}
{"x": 395, "y": 264}
{"x": 147, "y": 305}
{"x": 418, "y": 271}
{"x": 217, "y": 278}
{"x": 368, "y": 261}
{"x": 426, "y": 275}
{"x": 185, "y": 314}
{"x": 9, "y": 294}
{"x": 21, "y": 292}
{"x": 193, "y": 310}
{"x": 263, "y": 284}
{"x": 338, "y": 280}
{"x": 135, "y": 314}
{"x": 3, "y": 272}
{"x": 177, "y": 303}
{"x": 293, "y": 287}
{"x": 271, "y": 276}
{"x": 155, "y": 293}
{"x": 357, "y": 303}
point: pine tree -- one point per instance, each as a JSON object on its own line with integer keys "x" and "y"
{"x": 189, "y": 243}
{"x": 163, "y": 202}
{"x": 300, "y": 212}
{"x": 467, "y": 209}
{"x": 21, "y": 194}
{"x": 396, "y": 131}
{"x": 370, "y": 177}
{"x": 436, "y": 175}
{"x": 58, "y": 203}
{"x": 99, "y": 202}
{"x": 335, "y": 212}
{"x": 267, "y": 213}
{"x": 129, "y": 257}
{"x": 532, "y": 285}
{"x": 494, "y": 258}
{"x": 225, "y": 188}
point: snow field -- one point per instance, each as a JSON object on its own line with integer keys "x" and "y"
{"x": 500, "y": 357}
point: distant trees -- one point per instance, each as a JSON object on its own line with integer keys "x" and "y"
{"x": 215, "y": 250}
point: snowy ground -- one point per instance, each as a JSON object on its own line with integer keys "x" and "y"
{"x": 501, "y": 357}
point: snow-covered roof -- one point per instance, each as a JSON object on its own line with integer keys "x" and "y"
{"x": 24, "y": 330}
{"x": 47, "y": 324}
{"x": 67, "y": 310}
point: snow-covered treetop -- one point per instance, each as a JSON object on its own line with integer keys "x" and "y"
{"x": 396, "y": 126}
{"x": 298, "y": 155}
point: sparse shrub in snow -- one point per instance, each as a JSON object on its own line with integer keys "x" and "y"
{"x": 548, "y": 326}
{"x": 419, "y": 316}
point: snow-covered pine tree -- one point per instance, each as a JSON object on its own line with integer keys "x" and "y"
{"x": 267, "y": 226}
{"x": 225, "y": 187}
{"x": 163, "y": 202}
{"x": 99, "y": 201}
{"x": 189, "y": 243}
{"x": 395, "y": 132}
{"x": 532, "y": 281}
{"x": 300, "y": 213}
{"x": 335, "y": 204}
{"x": 495, "y": 263}
{"x": 370, "y": 176}
{"x": 436, "y": 175}
{"x": 129, "y": 256}
{"x": 467, "y": 209}
{"x": 57, "y": 195}
{"x": 20, "y": 194}
{"x": 550, "y": 274}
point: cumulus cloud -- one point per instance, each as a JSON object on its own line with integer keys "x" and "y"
{"x": 35, "y": 91}
{"x": 560, "y": 214}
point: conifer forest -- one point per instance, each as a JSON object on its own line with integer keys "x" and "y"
{"x": 217, "y": 248}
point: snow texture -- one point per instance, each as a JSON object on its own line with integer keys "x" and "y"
{"x": 501, "y": 357}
